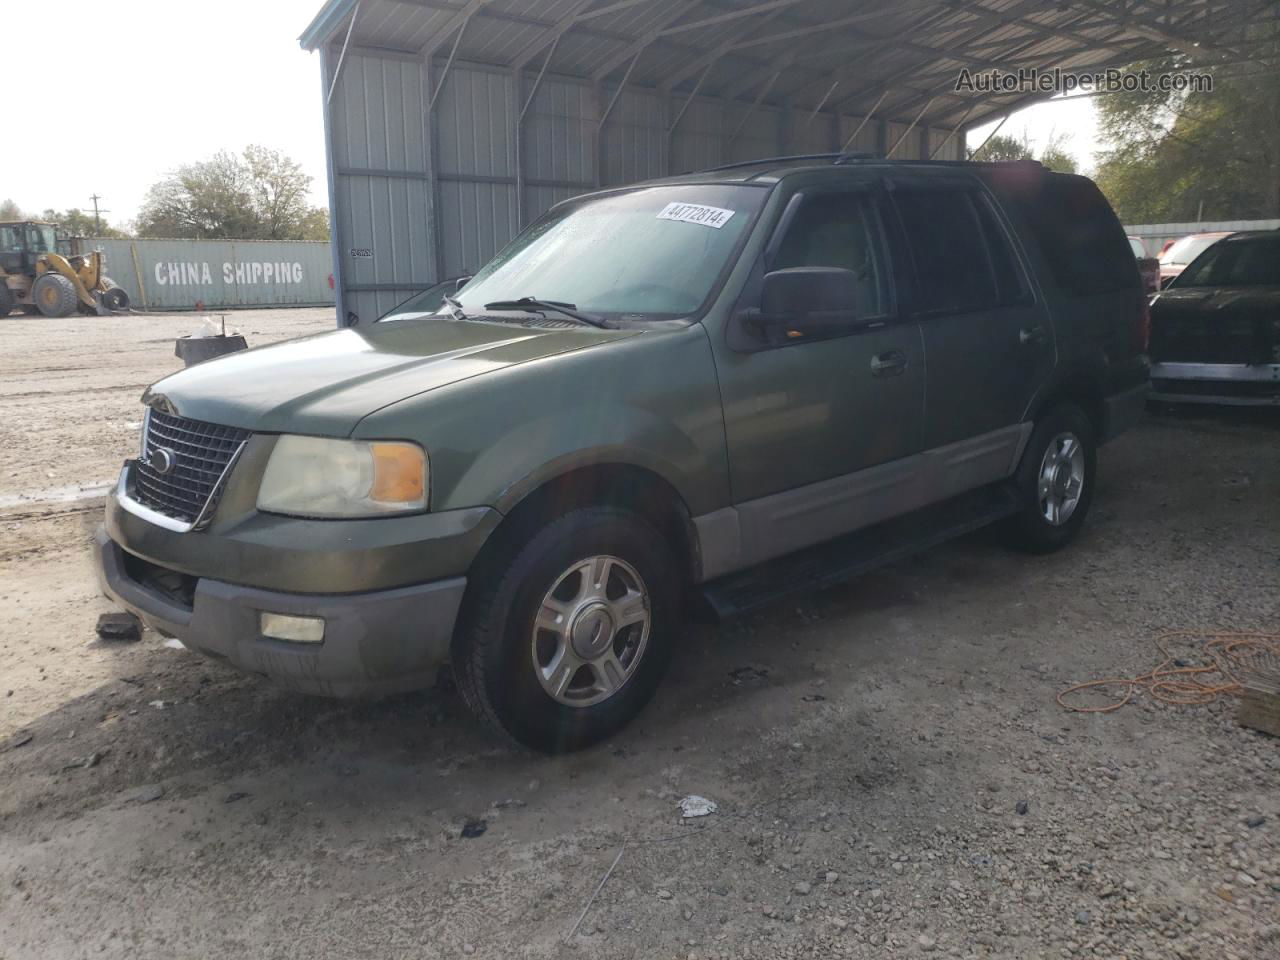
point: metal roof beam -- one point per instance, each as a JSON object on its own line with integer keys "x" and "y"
{"x": 577, "y": 14}
{"x": 637, "y": 47}
{"x": 861, "y": 42}
{"x": 711, "y": 57}
{"x": 458, "y": 22}
{"x": 1144, "y": 27}
{"x": 971, "y": 33}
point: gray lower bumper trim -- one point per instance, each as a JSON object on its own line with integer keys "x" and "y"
{"x": 380, "y": 642}
{"x": 1124, "y": 410}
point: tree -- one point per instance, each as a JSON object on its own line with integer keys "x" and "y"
{"x": 1004, "y": 147}
{"x": 11, "y": 211}
{"x": 80, "y": 223}
{"x": 1197, "y": 154}
{"x": 258, "y": 195}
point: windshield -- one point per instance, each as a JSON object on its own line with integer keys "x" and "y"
{"x": 1188, "y": 248}
{"x": 1241, "y": 263}
{"x": 650, "y": 253}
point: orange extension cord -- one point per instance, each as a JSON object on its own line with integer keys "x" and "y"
{"x": 1169, "y": 683}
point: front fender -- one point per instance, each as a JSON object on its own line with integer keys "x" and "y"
{"x": 650, "y": 401}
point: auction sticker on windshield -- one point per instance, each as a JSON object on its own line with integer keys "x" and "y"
{"x": 715, "y": 217}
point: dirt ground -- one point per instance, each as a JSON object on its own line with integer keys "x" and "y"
{"x": 892, "y": 773}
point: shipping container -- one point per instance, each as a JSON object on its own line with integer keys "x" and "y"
{"x": 219, "y": 274}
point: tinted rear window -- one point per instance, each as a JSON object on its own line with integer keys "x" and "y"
{"x": 1080, "y": 237}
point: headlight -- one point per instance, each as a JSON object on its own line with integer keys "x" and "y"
{"x": 316, "y": 477}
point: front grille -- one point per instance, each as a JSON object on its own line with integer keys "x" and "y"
{"x": 201, "y": 452}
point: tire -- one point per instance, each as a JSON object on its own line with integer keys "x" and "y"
{"x": 1043, "y": 484}
{"x": 113, "y": 296}
{"x": 505, "y": 657}
{"x": 6, "y": 299}
{"x": 55, "y": 295}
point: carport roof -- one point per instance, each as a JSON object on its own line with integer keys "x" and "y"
{"x": 896, "y": 59}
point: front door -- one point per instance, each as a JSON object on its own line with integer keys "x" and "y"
{"x": 806, "y": 418}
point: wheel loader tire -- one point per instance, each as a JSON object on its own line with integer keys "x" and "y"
{"x": 55, "y": 295}
{"x": 6, "y": 300}
{"x": 113, "y": 297}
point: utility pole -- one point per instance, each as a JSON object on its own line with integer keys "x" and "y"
{"x": 97, "y": 214}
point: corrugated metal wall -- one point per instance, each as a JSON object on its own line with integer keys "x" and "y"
{"x": 423, "y": 194}
{"x": 179, "y": 274}
{"x": 1155, "y": 235}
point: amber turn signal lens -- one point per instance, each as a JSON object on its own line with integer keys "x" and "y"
{"x": 399, "y": 473}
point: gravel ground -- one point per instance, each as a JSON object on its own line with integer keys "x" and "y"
{"x": 892, "y": 773}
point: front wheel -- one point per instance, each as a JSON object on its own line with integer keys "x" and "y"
{"x": 55, "y": 295}
{"x": 1055, "y": 480}
{"x": 570, "y": 631}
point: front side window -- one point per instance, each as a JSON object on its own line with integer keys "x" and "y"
{"x": 1244, "y": 263}
{"x": 953, "y": 270}
{"x": 650, "y": 253}
{"x": 837, "y": 230}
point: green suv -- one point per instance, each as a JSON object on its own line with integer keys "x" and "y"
{"x": 717, "y": 387}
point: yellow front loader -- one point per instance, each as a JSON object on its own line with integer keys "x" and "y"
{"x": 37, "y": 277}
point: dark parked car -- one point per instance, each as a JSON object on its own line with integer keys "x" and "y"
{"x": 734, "y": 384}
{"x": 1215, "y": 335}
{"x": 1177, "y": 254}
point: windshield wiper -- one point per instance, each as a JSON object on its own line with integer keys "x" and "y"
{"x": 534, "y": 305}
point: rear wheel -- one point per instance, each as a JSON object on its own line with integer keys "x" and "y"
{"x": 1055, "y": 480}
{"x": 571, "y": 630}
{"x": 55, "y": 295}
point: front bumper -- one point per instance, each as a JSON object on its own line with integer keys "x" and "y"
{"x": 1232, "y": 384}
{"x": 378, "y": 642}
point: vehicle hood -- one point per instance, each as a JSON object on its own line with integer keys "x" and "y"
{"x": 326, "y": 384}
{"x": 1215, "y": 324}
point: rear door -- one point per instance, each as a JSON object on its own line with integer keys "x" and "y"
{"x": 989, "y": 344}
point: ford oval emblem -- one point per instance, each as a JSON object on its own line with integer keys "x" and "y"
{"x": 163, "y": 461}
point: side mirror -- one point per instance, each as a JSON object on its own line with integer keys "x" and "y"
{"x": 810, "y": 299}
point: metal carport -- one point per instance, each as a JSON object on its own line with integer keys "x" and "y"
{"x": 450, "y": 125}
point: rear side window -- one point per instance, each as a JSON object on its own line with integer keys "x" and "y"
{"x": 1080, "y": 237}
{"x": 949, "y": 249}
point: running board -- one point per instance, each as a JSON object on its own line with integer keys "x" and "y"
{"x": 856, "y": 553}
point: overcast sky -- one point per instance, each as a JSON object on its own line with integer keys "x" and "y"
{"x": 153, "y": 84}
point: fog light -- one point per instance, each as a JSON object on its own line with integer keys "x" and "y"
{"x": 282, "y": 626}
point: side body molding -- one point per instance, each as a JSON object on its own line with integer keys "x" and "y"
{"x": 741, "y": 536}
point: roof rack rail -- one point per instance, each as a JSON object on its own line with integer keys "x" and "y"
{"x": 752, "y": 163}
{"x": 857, "y": 157}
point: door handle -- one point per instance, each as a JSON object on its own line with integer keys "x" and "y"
{"x": 1031, "y": 335}
{"x": 888, "y": 364}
